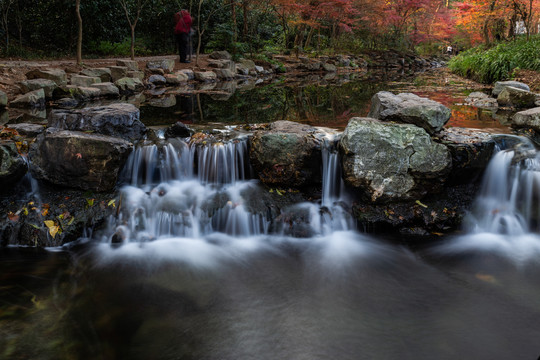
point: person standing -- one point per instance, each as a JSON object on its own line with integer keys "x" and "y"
{"x": 182, "y": 29}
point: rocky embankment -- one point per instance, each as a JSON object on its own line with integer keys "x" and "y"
{"x": 405, "y": 171}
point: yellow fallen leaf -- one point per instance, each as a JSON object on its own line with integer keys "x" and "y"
{"x": 419, "y": 203}
{"x": 53, "y": 228}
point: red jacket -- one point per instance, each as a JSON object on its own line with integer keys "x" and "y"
{"x": 182, "y": 22}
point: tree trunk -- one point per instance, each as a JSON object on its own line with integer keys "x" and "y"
{"x": 245, "y": 14}
{"x": 80, "y": 34}
{"x": 133, "y": 42}
{"x": 235, "y": 25}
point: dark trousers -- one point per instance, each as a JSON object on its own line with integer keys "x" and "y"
{"x": 183, "y": 46}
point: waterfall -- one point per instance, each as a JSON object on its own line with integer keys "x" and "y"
{"x": 508, "y": 202}
{"x": 182, "y": 190}
{"x": 505, "y": 217}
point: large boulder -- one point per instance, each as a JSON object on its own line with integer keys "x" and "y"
{"x": 471, "y": 151}
{"x": 59, "y": 76}
{"x": 121, "y": 120}
{"x": 390, "y": 162}
{"x": 12, "y": 165}
{"x": 287, "y": 154}
{"x": 500, "y": 85}
{"x": 33, "y": 99}
{"x": 79, "y": 160}
{"x": 409, "y": 108}
{"x": 47, "y": 85}
{"x": 515, "y": 97}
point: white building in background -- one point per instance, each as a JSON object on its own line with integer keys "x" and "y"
{"x": 520, "y": 28}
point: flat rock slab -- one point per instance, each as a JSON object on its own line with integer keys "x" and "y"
{"x": 121, "y": 120}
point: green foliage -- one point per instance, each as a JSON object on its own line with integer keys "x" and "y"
{"x": 499, "y": 62}
{"x": 107, "y": 48}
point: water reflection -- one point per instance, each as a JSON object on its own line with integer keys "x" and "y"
{"x": 310, "y": 102}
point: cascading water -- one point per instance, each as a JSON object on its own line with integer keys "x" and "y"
{"x": 193, "y": 190}
{"x": 505, "y": 218}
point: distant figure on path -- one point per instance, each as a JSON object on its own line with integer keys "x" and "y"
{"x": 182, "y": 28}
{"x": 449, "y": 49}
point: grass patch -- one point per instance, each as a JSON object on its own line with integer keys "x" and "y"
{"x": 487, "y": 65}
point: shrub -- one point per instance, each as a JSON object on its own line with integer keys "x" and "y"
{"x": 488, "y": 65}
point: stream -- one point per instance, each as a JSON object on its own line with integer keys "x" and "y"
{"x": 188, "y": 270}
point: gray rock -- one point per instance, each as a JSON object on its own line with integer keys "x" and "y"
{"x": 132, "y": 65}
{"x": 329, "y": 67}
{"x": 103, "y": 73}
{"x": 471, "y": 151}
{"x": 166, "y": 65}
{"x": 79, "y": 160}
{"x": 517, "y": 98}
{"x": 390, "y": 162}
{"x": 3, "y": 99}
{"x": 121, "y": 120}
{"x": 136, "y": 74}
{"x": 224, "y": 74}
{"x": 107, "y": 89}
{"x": 129, "y": 85}
{"x": 33, "y": 99}
{"x": 220, "y": 55}
{"x": 118, "y": 72}
{"x": 163, "y": 102}
{"x": 248, "y": 64}
{"x": 157, "y": 80}
{"x": 175, "y": 79}
{"x": 12, "y": 165}
{"x": 287, "y": 154}
{"x": 500, "y": 85}
{"x": 527, "y": 119}
{"x": 85, "y": 81}
{"x": 187, "y": 72}
{"x": 57, "y": 75}
{"x": 47, "y": 85}
{"x": 28, "y": 130}
{"x": 205, "y": 76}
{"x": 178, "y": 129}
{"x": 409, "y": 108}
